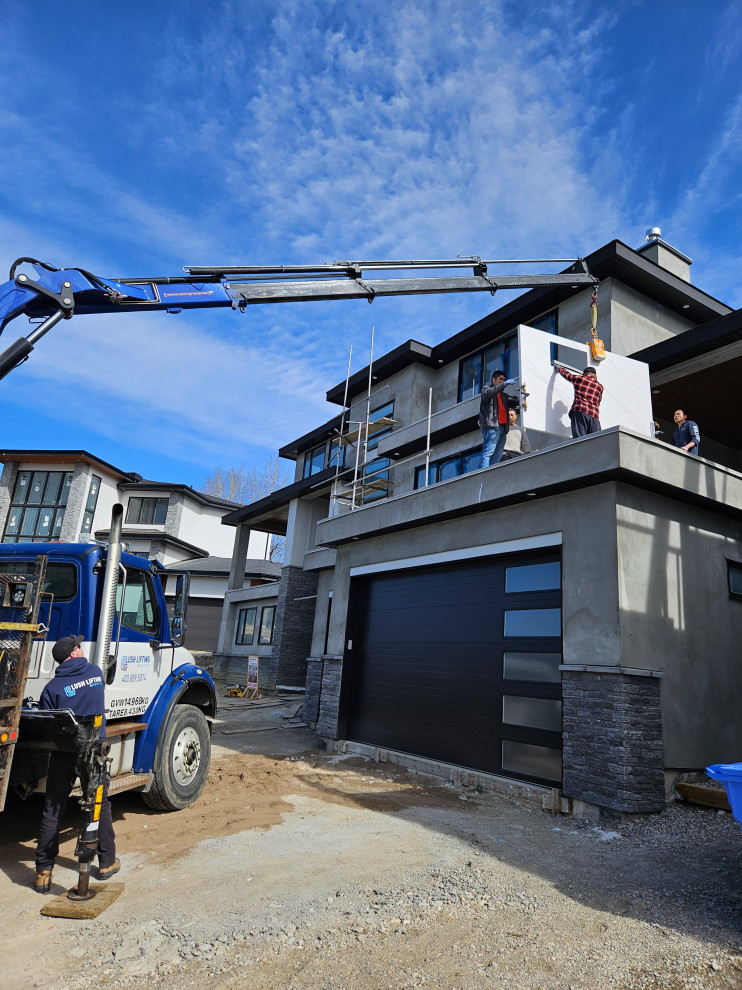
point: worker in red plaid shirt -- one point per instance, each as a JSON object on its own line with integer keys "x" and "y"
{"x": 585, "y": 410}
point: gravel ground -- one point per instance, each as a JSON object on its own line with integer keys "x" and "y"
{"x": 357, "y": 875}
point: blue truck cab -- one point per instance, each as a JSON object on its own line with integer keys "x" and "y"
{"x": 159, "y": 703}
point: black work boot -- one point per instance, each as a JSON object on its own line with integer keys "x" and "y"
{"x": 106, "y": 872}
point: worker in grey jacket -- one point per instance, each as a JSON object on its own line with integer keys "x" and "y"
{"x": 516, "y": 442}
{"x": 494, "y": 403}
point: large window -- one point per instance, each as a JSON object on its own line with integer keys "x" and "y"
{"x": 325, "y": 455}
{"x": 267, "y": 617}
{"x": 245, "y": 635}
{"x": 476, "y": 370}
{"x": 37, "y": 508}
{"x": 377, "y": 470}
{"x": 314, "y": 460}
{"x": 147, "y": 510}
{"x": 87, "y": 519}
{"x": 140, "y": 611}
{"x": 449, "y": 467}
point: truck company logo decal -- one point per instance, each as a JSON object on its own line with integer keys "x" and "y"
{"x": 71, "y": 689}
{"x": 129, "y": 661}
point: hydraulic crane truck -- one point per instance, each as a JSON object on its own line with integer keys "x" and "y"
{"x": 159, "y": 703}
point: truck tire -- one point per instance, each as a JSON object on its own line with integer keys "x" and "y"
{"x": 182, "y": 761}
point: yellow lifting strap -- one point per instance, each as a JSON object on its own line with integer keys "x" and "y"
{"x": 597, "y": 349}
{"x": 36, "y": 628}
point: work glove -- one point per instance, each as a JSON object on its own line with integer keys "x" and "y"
{"x": 511, "y": 381}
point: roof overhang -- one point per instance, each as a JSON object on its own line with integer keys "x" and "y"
{"x": 271, "y": 514}
{"x": 60, "y": 457}
{"x": 312, "y": 439}
{"x": 155, "y": 535}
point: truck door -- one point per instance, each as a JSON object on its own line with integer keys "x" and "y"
{"x": 139, "y": 666}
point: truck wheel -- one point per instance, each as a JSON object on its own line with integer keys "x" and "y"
{"x": 182, "y": 761}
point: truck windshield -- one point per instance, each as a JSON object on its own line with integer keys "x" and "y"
{"x": 60, "y": 580}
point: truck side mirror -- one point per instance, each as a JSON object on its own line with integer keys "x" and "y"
{"x": 180, "y": 609}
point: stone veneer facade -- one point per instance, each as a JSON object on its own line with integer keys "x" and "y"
{"x": 292, "y": 629}
{"x": 612, "y": 739}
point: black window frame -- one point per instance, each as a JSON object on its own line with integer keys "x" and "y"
{"x": 142, "y": 502}
{"x": 734, "y": 566}
{"x": 93, "y": 492}
{"x": 240, "y": 639}
{"x": 435, "y": 467}
{"x": 27, "y": 508}
{"x": 264, "y": 609}
{"x": 312, "y": 459}
{"x": 551, "y": 318}
{"x": 379, "y": 467}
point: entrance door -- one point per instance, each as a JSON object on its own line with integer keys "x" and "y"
{"x": 460, "y": 663}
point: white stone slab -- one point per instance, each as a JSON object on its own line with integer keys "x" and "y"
{"x": 626, "y": 398}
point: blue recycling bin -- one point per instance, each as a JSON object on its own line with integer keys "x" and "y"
{"x": 730, "y": 774}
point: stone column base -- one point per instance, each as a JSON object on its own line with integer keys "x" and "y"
{"x": 329, "y": 702}
{"x": 612, "y": 737}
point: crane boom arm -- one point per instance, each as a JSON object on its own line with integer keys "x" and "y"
{"x": 58, "y": 294}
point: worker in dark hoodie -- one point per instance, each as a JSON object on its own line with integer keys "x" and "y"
{"x": 77, "y": 685}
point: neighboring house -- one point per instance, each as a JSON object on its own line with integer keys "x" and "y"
{"x": 67, "y": 496}
{"x": 209, "y": 577}
{"x": 570, "y": 618}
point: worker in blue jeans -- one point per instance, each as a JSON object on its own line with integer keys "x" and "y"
{"x": 77, "y": 685}
{"x": 494, "y": 405}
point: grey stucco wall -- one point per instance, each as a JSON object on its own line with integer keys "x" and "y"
{"x": 676, "y": 616}
{"x": 585, "y": 519}
{"x": 324, "y": 588}
{"x": 301, "y": 531}
{"x": 637, "y": 321}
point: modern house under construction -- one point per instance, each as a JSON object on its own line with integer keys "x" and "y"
{"x": 570, "y": 618}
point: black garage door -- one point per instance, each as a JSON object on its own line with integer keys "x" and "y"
{"x": 460, "y": 663}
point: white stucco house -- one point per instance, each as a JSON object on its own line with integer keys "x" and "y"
{"x": 67, "y": 496}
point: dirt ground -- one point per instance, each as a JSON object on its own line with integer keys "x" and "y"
{"x": 299, "y": 868}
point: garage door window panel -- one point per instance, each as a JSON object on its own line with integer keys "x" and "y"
{"x": 533, "y": 622}
{"x": 527, "y": 759}
{"x": 532, "y": 667}
{"x": 534, "y": 713}
{"x": 533, "y": 577}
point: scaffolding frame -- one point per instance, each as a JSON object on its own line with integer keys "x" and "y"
{"x": 354, "y": 493}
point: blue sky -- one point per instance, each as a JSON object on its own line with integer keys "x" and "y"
{"x": 139, "y": 138}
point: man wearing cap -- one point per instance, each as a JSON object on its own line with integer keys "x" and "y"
{"x": 77, "y": 685}
{"x": 585, "y": 412}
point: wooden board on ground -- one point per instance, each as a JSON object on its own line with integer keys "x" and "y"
{"x": 63, "y": 907}
{"x": 710, "y": 797}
